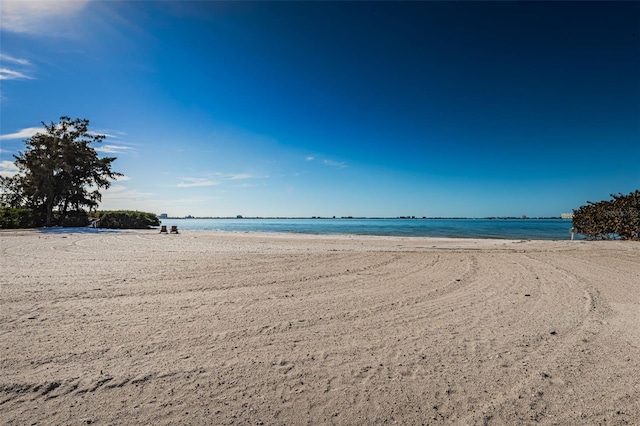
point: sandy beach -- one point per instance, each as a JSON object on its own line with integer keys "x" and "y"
{"x": 221, "y": 328}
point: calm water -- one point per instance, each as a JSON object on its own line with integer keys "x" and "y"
{"x": 538, "y": 229}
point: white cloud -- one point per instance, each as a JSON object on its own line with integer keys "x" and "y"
{"x": 191, "y": 182}
{"x": 331, "y": 163}
{"x": 244, "y": 176}
{"x": 195, "y": 182}
{"x": 22, "y": 134}
{"x": 105, "y": 149}
{"x": 119, "y": 197}
{"x": 121, "y": 192}
{"x": 113, "y": 149}
{"x": 249, "y": 185}
{"x": 8, "y": 58}
{"x": 37, "y": 17}
{"x": 7, "y": 74}
{"x": 195, "y": 200}
{"x": 108, "y": 133}
{"x": 239, "y": 176}
{"x": 126, "y": 199}
{"x": 8, "y": 168}
{"x": 116, "y": 188}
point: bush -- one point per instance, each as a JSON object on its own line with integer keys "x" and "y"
{"x": 75, "y": 218}
{"x": 127, "y": 219}
{"x": 610, "y": 219}
{"x": 12, "y": 218}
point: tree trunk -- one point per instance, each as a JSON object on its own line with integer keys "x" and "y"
{"x": 63, "y": 213}
{"x": 49, "y": 213}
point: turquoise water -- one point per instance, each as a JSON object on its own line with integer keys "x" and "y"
{"x": 535, "y": 229}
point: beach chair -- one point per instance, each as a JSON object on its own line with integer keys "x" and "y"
{"x": 163, "y": 229}
{"x": 174, "y": 230}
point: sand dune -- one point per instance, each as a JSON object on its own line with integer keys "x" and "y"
{"x": 211, "y": 328}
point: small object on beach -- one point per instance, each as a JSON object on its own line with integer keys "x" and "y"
{"x": 553, "y": 333}
{"x": 527, "y": 295}
{"x": 163, "y": 229}
{"x": 174, "y": 230}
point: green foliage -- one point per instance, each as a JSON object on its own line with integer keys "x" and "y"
{"x": 127, "y": 219}
{"x": 610, "y": 219}
{"x": 12, "y": 218}
{"x": 75, "y": 218}
{"x": 59, "y": 170}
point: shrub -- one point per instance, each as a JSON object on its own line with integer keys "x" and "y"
{"x": 14, "y": 218}
{"x": 610, "y": 219}
{"x": 127, "y": 219}
{"x": 75, "y": 218}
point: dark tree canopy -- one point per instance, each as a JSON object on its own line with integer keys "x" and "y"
{"x": 616, "y": 218}
{"x": 59, "y": 170}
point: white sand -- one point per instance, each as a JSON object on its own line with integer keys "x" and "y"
{"x": 212, "y": 328}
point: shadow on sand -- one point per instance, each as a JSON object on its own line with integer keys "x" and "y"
{"x": 76, "y": 230}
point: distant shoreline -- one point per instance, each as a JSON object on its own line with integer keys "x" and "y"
{"x": 362, "y": 218}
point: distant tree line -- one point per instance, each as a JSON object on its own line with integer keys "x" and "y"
{"x": 618, "y": 218}
{"x": 59, "y": 176}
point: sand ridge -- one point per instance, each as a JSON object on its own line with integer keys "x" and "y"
{"x": 251, "y": 328}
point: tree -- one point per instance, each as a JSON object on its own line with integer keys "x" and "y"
{"x": 59, "y": 170}
{"x": 616, "y": 218}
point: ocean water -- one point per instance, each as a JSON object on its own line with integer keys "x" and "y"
{"x": 531, "y": 229}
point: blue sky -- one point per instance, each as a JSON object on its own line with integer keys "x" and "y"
{"x": 320, "y": 109}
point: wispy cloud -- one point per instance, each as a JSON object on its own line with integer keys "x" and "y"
{"x": 114, "y": 189}
{"x": 191, "y": 182}
{"x": 114, "y": 149}
{"x": 121, "y": 191}
{"x": 8, "y": 168}
{"x": 37, "y": 17}
{"x": 22, "y": 134}
{"x": 332, "y": 163}
{"x": 249, "y": 185}
{"x": 239, "y": 176}
{"x": 105, "y": 149}
{"x": 8, "y": 74}
{"x": 122, "y": 197}
{"x": 8, "y": 58}
{"x": 115, "y": 134}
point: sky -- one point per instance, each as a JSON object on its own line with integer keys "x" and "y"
{"x": 386, "y": 109}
